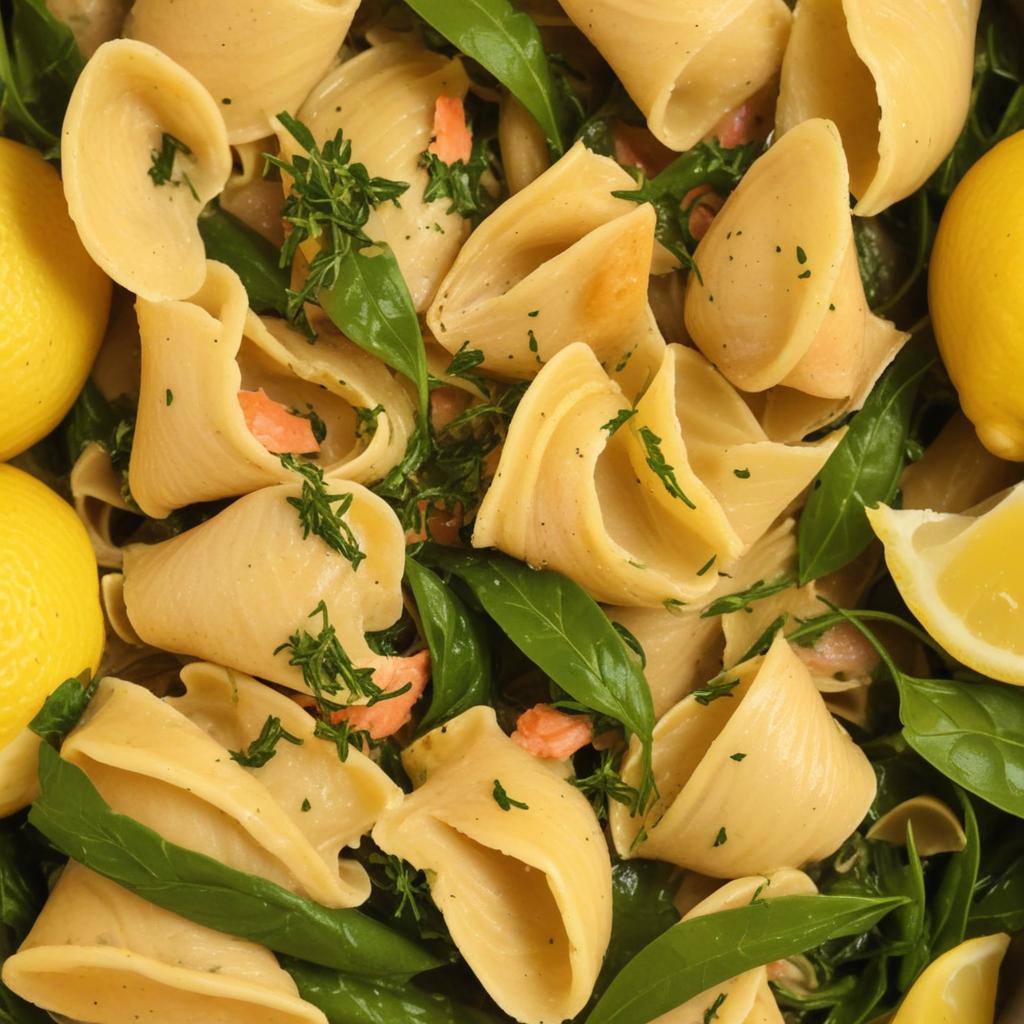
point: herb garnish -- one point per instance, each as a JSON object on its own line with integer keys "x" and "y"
{"x": 604, "y": 783}
{"x": 461, "y": 182}
{"x": 658, "y": 465}
{"x": 264, "y": 747}
{"x": 621, "y": 417}
{"x": 713, "y": 690}
{"x": 711, "y": 1013}
{"x": 722, "y": 838}
{"x": 744, "y": 598}
{"x": 404, "y": 881}
{"x": 504, "y": 801}
{"x": 162, "y": 159}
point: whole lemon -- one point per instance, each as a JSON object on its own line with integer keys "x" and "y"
{"x": 976, "y": 295}
{"x": 51, "y": 624}
{"x": 54, "y": 301}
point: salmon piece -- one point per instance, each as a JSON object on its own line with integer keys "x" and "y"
{"x": 278, "y": 430}
{"x": 446, "y": 404}
{"x": 452, "y": 140}
{"x": 636, "y": 147}
{"x": 841, "y": 649}
{"x": 546, "y": 732}
{"x": 387, "y": 717}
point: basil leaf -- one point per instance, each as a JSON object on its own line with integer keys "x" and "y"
{"x": 79, "y": 822}
{"x": 348, "y": 1000}
{"x": 63, "y": 708}
{"x": 863, "y": 470}
{"x": 1001, "y": 909}
{"x": 460, "y": 659}
{"x": 952, "y": 904}
{"x": 705, "y": 951}
{"x": 370, "y": 304}
{"x": 508, "y": 44}
{"x": 255, "y": 260}
{"x": 860, "y": 1006}
{"x": 973, "y": 733}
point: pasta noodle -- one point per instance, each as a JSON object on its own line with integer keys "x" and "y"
{"x": 935, "y": 827}
{"x": 799, "y": 790}
{"x": 98, "y": 953}
{"x": 18, "y": 782}
{"x": 96, "y": 492}
{"x": 253, "y": 199}
{"x": 191, "y": 438}
{"x": 525, "y": 891}
{"x": 165, "y": 763}
{"x": 523, "y": 149}
{"x": 128, "y": 102}
{"x": 687, "y": 63}
{"x": 92, "y": 21}
{"x": 255, "y": 60}
{"x": 895, "y": 77}
{"x": 186, "y": 594}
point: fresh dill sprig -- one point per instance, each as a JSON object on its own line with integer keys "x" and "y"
{"x": 657, "y": 464}
{"x": 366, "y": 421}
{"x": 461, "y": 182}
{"x": 162, "y": 160}
{"x": 462, "y": 365}
{"x": 404, "y": 881}
{"x": 744, "y": 598}
{"x": 264, "y": 747}
{"x": 604, "y": 784}
{"x": 621, "y": 417}
{"x": 714, "y": 690}
{"x": 504, "y": 801}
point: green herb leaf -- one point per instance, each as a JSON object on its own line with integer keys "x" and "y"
{"x": 162, "y": 163}
{"x": 605, "y": 783}
{"x": 71, "y": 813}
{"x": 951, "y": 906}
{"x": 1001, "y": 909}
{"x": 63, "y": 708}
{"x": 504, "y": 801}
{"x": 743, "y": 599}
{"x": 264, "y": 747}
{"x": 713, "y": 690}
{"x": 462, "y": 183}
{"x": 621, "y": 417}
{"x": 111, "y": 425}
{"x": 657, "y": 464}
{"x": 703, "y": 952}
{"x": 863, "y": 470}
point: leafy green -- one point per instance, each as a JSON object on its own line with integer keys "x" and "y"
{"x": 1001, "y": 908}
{"x": 743, "y": 599}
{"x": 111, "y": 425}
{"x": 605, "y": 783}
{"x": 951, "y": 905}
{"x": 508, "y": 44}
{"x": 79, "y": 822}
{"x": 256, "y": 261}
{"x": 460, "y": 659}
{"x": 697, "y": 954}
{"x": 657, "y": 464}
{"x": 264, "y": 747}
{"x": 504, "y": 801}
{"x": 162, "y": 162}
{"x": 62, "y": 709}
{"x": 869, "y": 990}
{"x": 863, "y": 470}
{"x": 462, "y": 182}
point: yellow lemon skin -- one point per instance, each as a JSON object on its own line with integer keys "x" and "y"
{"x": 54, "y": 301}
{"x": 959, "y": 987}
{"x": 976, "y": 296}
{"x": 51, "y": 623}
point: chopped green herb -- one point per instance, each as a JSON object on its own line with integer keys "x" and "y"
{"x": 264, "y": 747}
{"x": 504, "y": 801}
{"x": 366, "y": 421}
{"x": 534, "y": 312}
{"x": 604, "y": 784}
{"x": 462, "y": 183}
{"x": 714, "y": 690}
{"x": 534, "y": 346}
{"x": 162, "y": 160}
{"x": 464, "y": 362}
{"x": 404, "y": 881}
{"x": 743, "y": 474}
{"x": 711, "y": 1013}
{"x": 742, "y": 600}
{"x": 721, "y": 839}
{"x": 707, "y": 565}
{"x": 168, "y": 396}
{"x": 764, "y": 641}
{"x": 801, "y": 256}
{"x": 737, "y": 757}
{"x": 803, "y": 277}
{"x": 306, "y": 806}
{"x": 658, "y": 465}
{"x": 316, "y": 424}
{"x": 618, "y": 420}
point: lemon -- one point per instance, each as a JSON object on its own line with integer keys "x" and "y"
{"x": 54, "y": 301}
{"x": 976, "y": 296}
{"x": 51, "y": 625}
{"x": 960, "y": 577}
{"x": 959, "y": 987}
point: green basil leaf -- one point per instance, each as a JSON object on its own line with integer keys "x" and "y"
{"x": 705, "y": 951}
{"x": 459, "y": 655}
{"x": 370, "y": 304}
{"x": 1001, "y": 909}
{"x": 71, "y": 813}
{"x": 951, "y": 906}
{"x": 973, "y": 733}
{"x": 861, "y": 1005}
{"x": 62, "y": 709}
{"x": 255, "y": 260}
{"x": 863, "y": 470}
{"x": 508, "y": 44}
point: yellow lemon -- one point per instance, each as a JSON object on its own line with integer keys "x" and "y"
{"x": 54, "y": 301}
{"x": 960, "y": 577}
{"x": 51, "y": 624}
{"x": 976, "y": 295}
{"x": 959, "y": 987}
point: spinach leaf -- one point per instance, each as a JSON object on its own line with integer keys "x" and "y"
{"x": 63, "y": 708}
{"x": 909, "y": 920}
{"x": 705, "y": 951}
{"x": 861, "y": 1005}
{"x": 1001, "y": 909}
{"x": 560, "y": 628}
{"x": 255, "y": 260}
{"x": 863, "y": 470}
{"x": 508, "y": 44}
{"x": 371, "y": 305}
{"x": 460, "y": 659}
{"x": 79, "y": 822}
{"x": 39, "y": 65}
{"x": 973, "y": 733}
{"x": 952, "y": 903}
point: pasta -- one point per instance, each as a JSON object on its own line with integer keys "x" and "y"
{"x": 96, "y": 491}
{"x": 895, "y": 77}
{"x": 671, "y": 56}
{"x": 93, "y": 22}
{"x": 726, "y": 817}
{"x": 254, "y": 61}
{"x": 134, "y": 196}
{"x": 523, "y": 141}
{"x": 525, "y": 892}
{"x": 250, "y": 197}
{"x": 18, "y": 783}
{"x": 98, "y": 953}
{"x": 935, "y": 827}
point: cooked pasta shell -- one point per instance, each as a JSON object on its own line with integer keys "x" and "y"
{"x": 894, "y": 76}
{"x": 191, "y": 438}
{"x": 18, "y": 762}
{"x": 256, "y": 60}
{"x": 234, "y": 588}
{"x": 96, "y": 492}
{"x": 142, "y": 232}
{"x": 561, "y": 261}
{"x": 524, "y": 151}
{"x": 936, "y": 827}
{"x": 92, "y": 21}
{"x": 686, "y": 63}
{"x": 99, "y": 953}
{"x": 252, "y": 198}
{"x": 525, "y": 891}
{"x": 384, "y": 101}
{"x": 798, "y": 791}
{"x": 165, "y": 763}
{"x": 779, "y": 298}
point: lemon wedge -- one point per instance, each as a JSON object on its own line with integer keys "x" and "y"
{"x": 960, "y": 575}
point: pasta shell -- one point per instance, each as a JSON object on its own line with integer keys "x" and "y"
{"x": 98, "y": 953}
{"x": 686, "y": 63}
{"x": 255, "y": 59}
{"x": 191, "y": 439}
{"x": 936, "y": 828}
{"x": 384, "y": 100}
{"x": 165, "y": 763}
{"x": 253, "y": 199}
{"x": 524, "y": 150}
{"x": 525, "y": 892}
{"x": 895, "y": 77}
{"x": 19, "y": 785}
{"x": 799, "y": 790}
{"x": 234, "y": 588}
{"x": 96, "y": 492}
{"x": 144, "y": 234}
